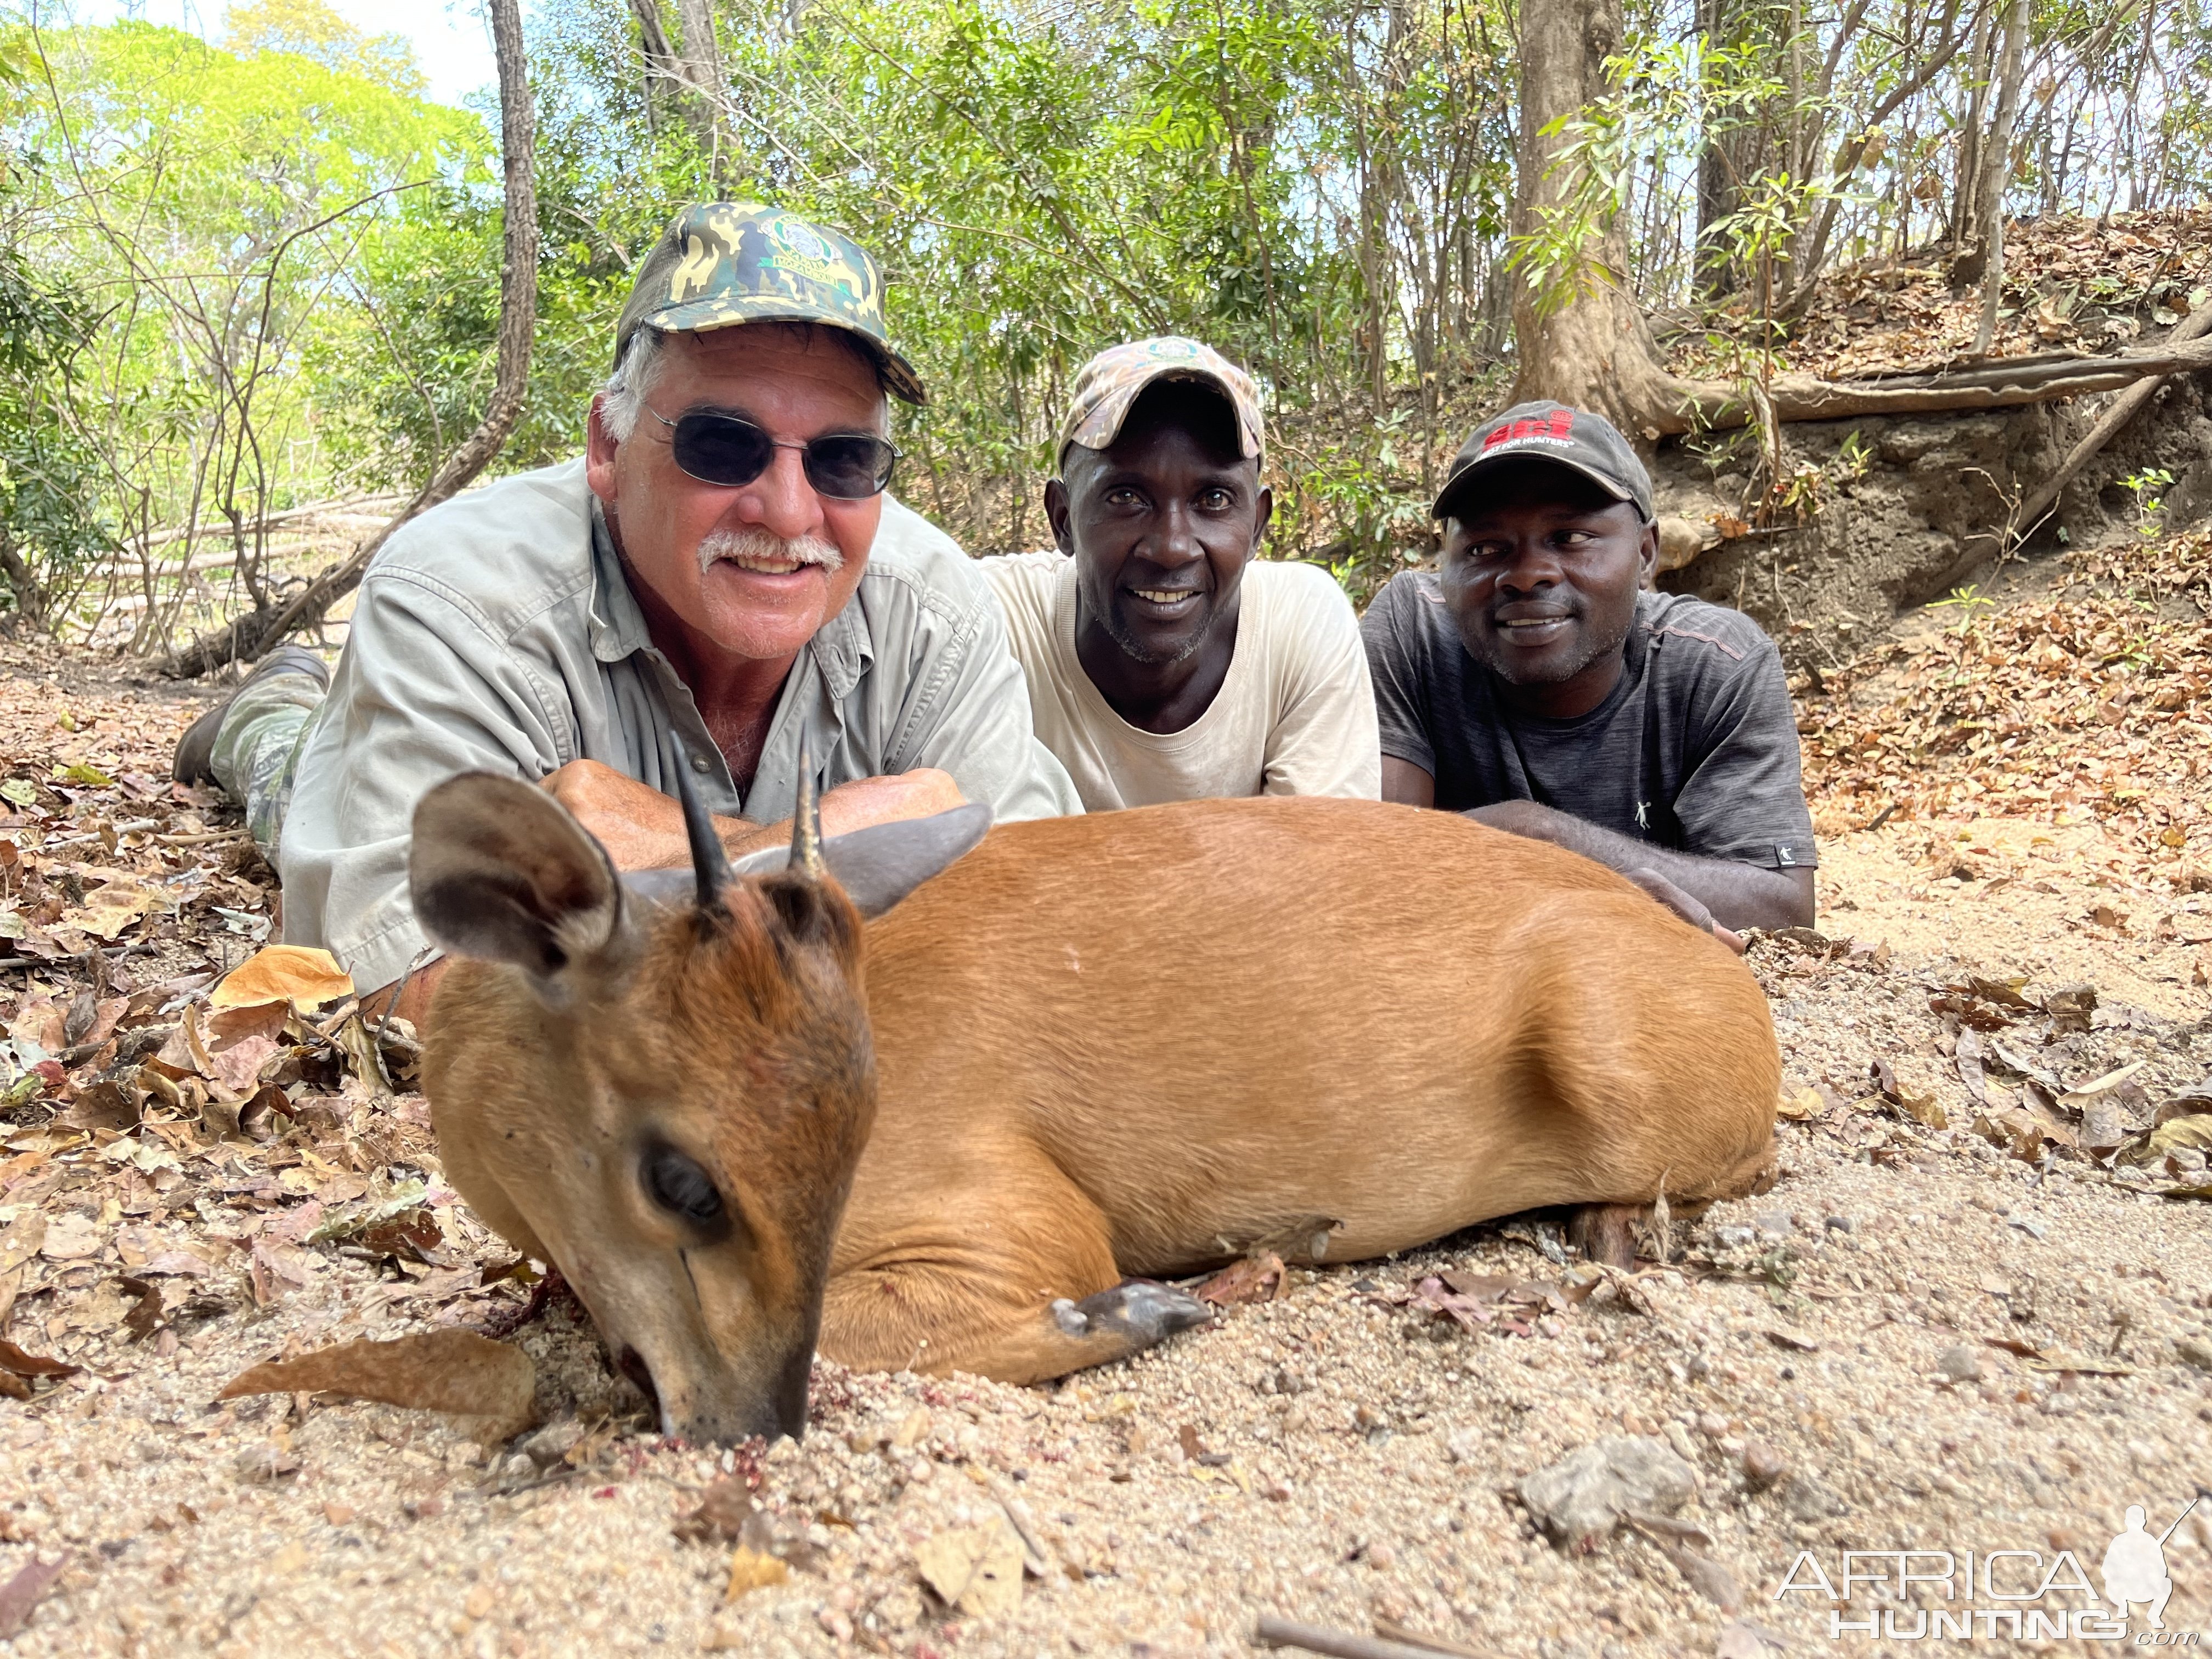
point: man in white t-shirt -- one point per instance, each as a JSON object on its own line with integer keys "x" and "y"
{"x": 1164, "y": 661}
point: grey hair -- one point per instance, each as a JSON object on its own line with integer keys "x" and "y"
{"x": 624, "y": 394}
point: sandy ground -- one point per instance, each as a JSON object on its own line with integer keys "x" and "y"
{"x": 1917, "y": 1340}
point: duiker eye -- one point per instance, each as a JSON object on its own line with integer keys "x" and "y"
{"x": 679, "y": 1186}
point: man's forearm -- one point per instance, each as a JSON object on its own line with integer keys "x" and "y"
{"x": 1738, "y": 895}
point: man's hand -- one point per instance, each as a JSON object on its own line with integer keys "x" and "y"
{"x": 642, "y": 828}
{"x": 1718, "y": 894}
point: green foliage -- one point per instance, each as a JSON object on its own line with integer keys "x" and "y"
{"x": 215, "y": 209}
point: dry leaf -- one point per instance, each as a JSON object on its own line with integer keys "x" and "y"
{"x": 977, "y": 1569}
{"x": 752, "y": 1569}
{"x": 1253, "y": 1278}
{"x": 2089, "y": 1091}
{"x": 14, "y": 1361}
{"x": 1806, "y": 1102}
{"x": 724, "y": 1509}
{"x": 444, "y": 1370}
{"x": 298, "y": 974}
{"x": 2174, "y": 1134}
{"x": 22, "y": 1593}
{"x": 108, "y": 909}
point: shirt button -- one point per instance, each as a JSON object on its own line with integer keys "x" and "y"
{"x": 700, "y": 763}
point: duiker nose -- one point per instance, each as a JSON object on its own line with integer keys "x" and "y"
{"x": 791, "y": 1393}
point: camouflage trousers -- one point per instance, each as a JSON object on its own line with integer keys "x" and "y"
{"x": 257, "y": 751}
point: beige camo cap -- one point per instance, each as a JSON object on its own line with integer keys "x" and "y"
{"x": 720, "y": 263}
{"x": 1110, "y": 383}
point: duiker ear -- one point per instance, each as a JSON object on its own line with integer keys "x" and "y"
{"x": 499, "y": 869}
{"x": 879, "y": 865}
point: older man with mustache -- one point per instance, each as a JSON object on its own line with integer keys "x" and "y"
{"x": 724, "y": 567}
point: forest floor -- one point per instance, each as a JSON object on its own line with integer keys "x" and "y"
{"x": 1974, "y": 1314}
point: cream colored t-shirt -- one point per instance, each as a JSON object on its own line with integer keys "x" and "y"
{"x": 1295, "y": 715}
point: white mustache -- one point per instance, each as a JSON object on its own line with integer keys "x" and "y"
{"x": 755, "y": 543}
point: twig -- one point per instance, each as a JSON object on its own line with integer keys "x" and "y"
{"x": 1391, "y": 1630}
{"x": 399, "y": 991}
{"x": 1276, "y": 1633}
{"x": 140, "y": 949}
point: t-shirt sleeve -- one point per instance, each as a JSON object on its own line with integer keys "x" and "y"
{"x": 1322, "y": 741}
{"x": 1396, "y": 660}
{"x": 424, "y": 691}
{"x": 1744, "y": 798}
{"x": 967, "y": 714}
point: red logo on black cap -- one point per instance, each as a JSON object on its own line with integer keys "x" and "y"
{"x": 1558, "y": 424}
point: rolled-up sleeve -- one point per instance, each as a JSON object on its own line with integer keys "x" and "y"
{"x": 425, "y": 689}
{"x": 967, "y": 711}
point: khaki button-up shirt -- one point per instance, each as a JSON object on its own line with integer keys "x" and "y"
{"x": 498, "y": 633}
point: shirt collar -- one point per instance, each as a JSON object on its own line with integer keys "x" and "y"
{"x": 617, "y": 625}
{"x": 841, "y": 647}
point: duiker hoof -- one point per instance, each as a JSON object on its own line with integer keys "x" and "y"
{"x": 1142, "y": 1310}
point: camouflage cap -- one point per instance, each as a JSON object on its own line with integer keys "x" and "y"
{"x": 720, "y": 263}
{"x": 1110, "y": 383}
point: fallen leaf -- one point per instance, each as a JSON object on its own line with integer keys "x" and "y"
{"x": 1705, "y": 1575}
{"x": 2089, "y": 1091}
{"x": 447, "y": 1371}
{"x": 1253, "y": 1278}
{"x": 22, "y": 1593}
{"x": 2175, "y": 1134}
{"x": 71, "y": 1239}
{"x": 298, "y": 974}
{"x": 110, "y": 908}
{"x": 724, "y": 1509}
{"x": 2060, "y": 1360}
{"x": 238, "y": 1066}
{"x": 13, "y": 1360}
{"x": 142, "y": 1319}
{"x": 104, "y": 1105}
{"x": 977, "y": 1569}
{"x": 752, "y": 1569}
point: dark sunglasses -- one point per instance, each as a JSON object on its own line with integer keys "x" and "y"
{"x": 727, "y": 450}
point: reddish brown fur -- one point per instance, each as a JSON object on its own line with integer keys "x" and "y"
{"x": 1129, "y": 1044}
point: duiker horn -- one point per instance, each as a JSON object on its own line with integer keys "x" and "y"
{"x": 708, "y": 861}
{"x": 806, "y": 820}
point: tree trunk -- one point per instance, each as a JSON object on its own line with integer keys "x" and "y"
{"x": 22, "y": 583}
{"x": 251, "y": 636}
{"x": 1997, "y": 172}
{"x": 1965, "y": 213}
{"x": 1591, "y": 348}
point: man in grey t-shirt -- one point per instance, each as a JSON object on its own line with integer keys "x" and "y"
{"x": 1533, "y": 683}
{"x": 724, "y": 568}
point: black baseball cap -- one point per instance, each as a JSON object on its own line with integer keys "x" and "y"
{"x": 1575, "y": 438}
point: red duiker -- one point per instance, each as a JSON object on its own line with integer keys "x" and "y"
{"x": 1137, "y": 1043}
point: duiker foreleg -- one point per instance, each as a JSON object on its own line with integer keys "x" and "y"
{"x": 1016, "y": 1297}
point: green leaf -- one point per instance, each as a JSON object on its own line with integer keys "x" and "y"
{"x": 83, "y": 772}
{"x": 20, "y": 791}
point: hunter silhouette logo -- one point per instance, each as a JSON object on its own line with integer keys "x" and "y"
{"x": 2134, "y": 1566}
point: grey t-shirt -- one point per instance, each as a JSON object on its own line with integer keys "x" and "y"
{"x": 1695, "y": 748}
